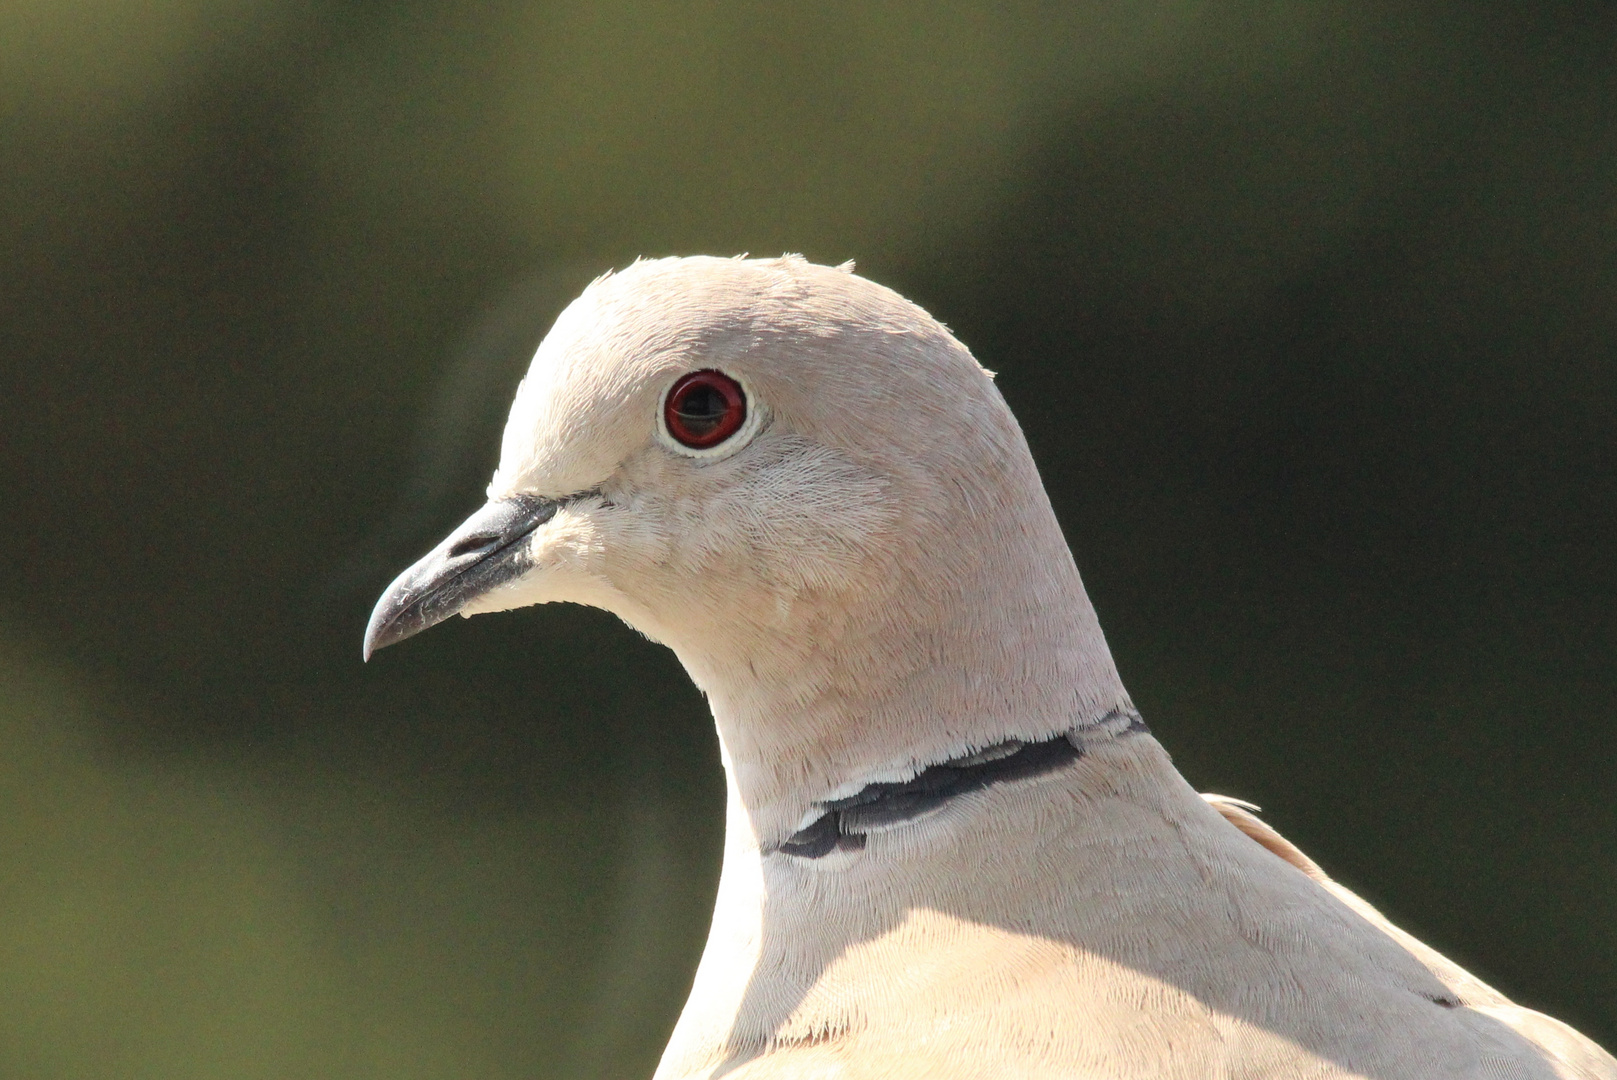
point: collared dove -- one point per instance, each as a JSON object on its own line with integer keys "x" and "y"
{"x": 953, "y": 849}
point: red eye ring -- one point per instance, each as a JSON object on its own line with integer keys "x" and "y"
{"x": 704, "y": 408}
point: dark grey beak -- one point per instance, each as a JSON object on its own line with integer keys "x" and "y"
{"x": 486, "y": 551}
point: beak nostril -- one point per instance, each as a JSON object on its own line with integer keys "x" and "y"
{"x": 473, "y": 545}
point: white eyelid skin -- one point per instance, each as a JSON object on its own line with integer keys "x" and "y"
{"x": 757, "y": 414}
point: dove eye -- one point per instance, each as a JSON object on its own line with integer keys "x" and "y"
{"x": 704, "y": 408}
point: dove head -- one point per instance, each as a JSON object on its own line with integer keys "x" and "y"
{"x": 810, "y": 491}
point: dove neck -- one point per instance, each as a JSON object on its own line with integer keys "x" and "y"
{"x": 899, "y": 678}
{"x": 920, "y": 670}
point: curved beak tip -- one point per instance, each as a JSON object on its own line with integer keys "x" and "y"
{"x": 382, "y": 630}
{"x": 452, "y": 574}
{"x": 401, "y": 612}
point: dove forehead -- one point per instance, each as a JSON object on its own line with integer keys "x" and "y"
{"x": 825, "y": 351}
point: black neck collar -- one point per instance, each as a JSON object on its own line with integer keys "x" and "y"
{"x": 846, "y": 822}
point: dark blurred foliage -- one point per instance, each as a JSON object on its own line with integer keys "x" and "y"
{"x": 1307, "y": 309}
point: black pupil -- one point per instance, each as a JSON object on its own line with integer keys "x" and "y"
{"x": 701, "y": 408}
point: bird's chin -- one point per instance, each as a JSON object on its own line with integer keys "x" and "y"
{"x": 548, "y": 586}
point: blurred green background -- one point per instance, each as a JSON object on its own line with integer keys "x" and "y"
{"x": 1307, "y": 308}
